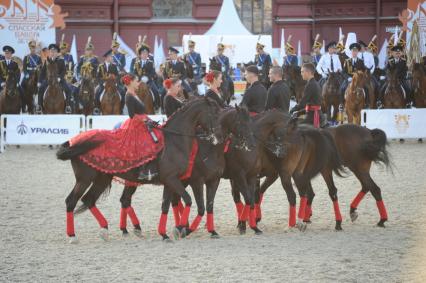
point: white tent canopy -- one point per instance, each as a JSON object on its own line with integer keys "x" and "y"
{"x": 240, "y": 44}
{"x": 228, "y": 22}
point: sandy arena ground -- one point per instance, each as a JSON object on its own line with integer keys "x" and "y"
{"x": 34, "y": 248}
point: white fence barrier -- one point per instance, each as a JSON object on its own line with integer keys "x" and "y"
{"x": 110, "y": 121}
{"x": 397, "y": 123}
{"x": 39, "y": 129}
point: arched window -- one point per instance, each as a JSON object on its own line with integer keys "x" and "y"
{"x": 256, "y": 15}
{"x": 172, "y": 8}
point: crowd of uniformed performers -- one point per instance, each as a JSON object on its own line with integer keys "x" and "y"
{"x": 266, "y": 88}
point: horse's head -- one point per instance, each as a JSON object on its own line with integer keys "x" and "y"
{"x": 392, "y": 76}
{"x": 237, "y": 123}
{"x": 208, "y": 120}
{"x": 52, "y": 71}
{"x": 214, "y": 65}
{"x": 11, "y": 83}
{"x": 359, "y": 79}
{"x": 142, "y": 90}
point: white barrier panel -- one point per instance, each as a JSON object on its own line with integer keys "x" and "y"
{"x": 108, "y": 122}
{"x": 397, "y": 123}
{"x": 39, "y": 129}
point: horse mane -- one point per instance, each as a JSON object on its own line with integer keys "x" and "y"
{"x": 190, "y": 102}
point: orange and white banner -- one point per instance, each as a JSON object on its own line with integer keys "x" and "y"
{"x": 25, "y": 20}
{"x": 416, "y": 11}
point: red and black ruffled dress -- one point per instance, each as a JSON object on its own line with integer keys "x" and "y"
{"x": 125, "y": 148}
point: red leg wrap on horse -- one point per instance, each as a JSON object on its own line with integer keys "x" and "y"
{"x": 185, "y": 215}
{"x": 357, "y": 199}
{"x": 308, "y": 212}
{"x": 245, "y": 213}
{"x": 99, "y": 217}
{"x": 195, "y": 223}
{"x": 258, "y": 211}
{"x": 252, "y": 219}
{"x": 132, "y": 215}
{"x": 162, "y": 224}
{"x": 181, "y": 207}
{"x": 337, "y": 210}
{"x": 70, "y": 223}
{"x": 176, "y": 215}
{"x": 240, "y": 207}
{"x": 302, "y": 207}
{"x": 292, "y": 217}
{"x": 382, "y": 209}
{"x": 210, "y": 222}
{"x": 123, "y": 218}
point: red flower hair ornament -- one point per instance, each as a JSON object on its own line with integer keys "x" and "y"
{"x": 168, "y": 83}
{"x": 127, "y": 79}
{"x": 210, "y": 77}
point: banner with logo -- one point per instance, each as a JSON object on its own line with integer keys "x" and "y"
{"x": 397, "y": 123}
{"x": 40, "y": 129}
{"x": 416, "y": 11}
{"x": 109, "y": 122}
{"x": 25, "y": 20}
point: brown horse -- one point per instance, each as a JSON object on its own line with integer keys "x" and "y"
{"x": 355, "y": 98}
{"x": 358, "y": 148}
{"x": 86, "y": 95}
{"x": 30, "y": 89}
{"x": 419, "y": 85}
{"x": 10, "y": 102}
{"x": 293, "y": 78}
{"x": 110, "y": 101}
{"x": 331, "y": 95}
{"x": 54, "y": 100}
{"x": 372, "y": 90}
{"x": 145, "y": 95}
{"x": 394, "y": 94}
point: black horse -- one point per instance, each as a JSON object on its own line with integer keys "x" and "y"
{"x": 179, "y": 133}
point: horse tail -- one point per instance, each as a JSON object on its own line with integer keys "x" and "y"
{"x": 375, "y": 149}
{"x": 67, "y": 152}
{"x": 335, "y": 163}
{"x": 83, "y": 207}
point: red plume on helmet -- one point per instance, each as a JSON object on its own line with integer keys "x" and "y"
{"x": 127, "y": 79}
{"x": 168, "y": 83}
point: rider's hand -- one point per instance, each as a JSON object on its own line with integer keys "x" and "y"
{"x": 38, "y": 84}
{"x": 3, "y": 84}
{"x": 349, "y": 79}
{"x": 59, "y": 80}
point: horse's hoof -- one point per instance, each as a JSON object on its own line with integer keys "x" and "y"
{"x": 242, "y": 227}
{"x": 382, "y": 223}
{"x": 354, "y": 216}
{"x": 214, "y": 235}
{"x": 138, "y": 233}
{"x": 73, "y": 240}
{"x": 307, "y": 221}
{"x": 401, "y": 140}
{"x": 18, "y": 146}
{"x": 176, "y": 233}
{"x": 258, "y": 220}
{"x": 103, "y": 234}
{"x": 125, "y": 232}
{"x": 420, "y": 140}
{"x": 184, "y": 233}
{"x": 166, "y": 238}
{"x": 339, "y": 226}
{"x": 257, "y": 231}
{"x": 50, "y": 146}
{"x": 301, "y": 226}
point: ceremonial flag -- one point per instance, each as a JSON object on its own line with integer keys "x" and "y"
{"x": 73, "y": 52}
{"x": 282, "y": 48}
{"x": 299, "y": 53}
{"x": 127, "y": 51}
{"x": 383, "y": 54}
